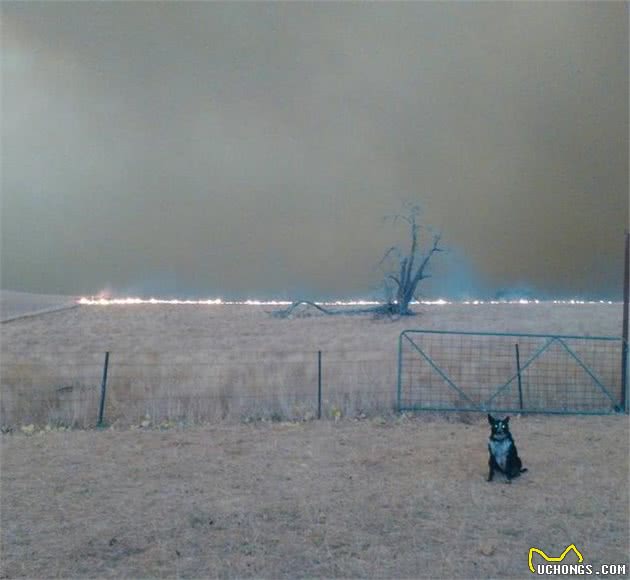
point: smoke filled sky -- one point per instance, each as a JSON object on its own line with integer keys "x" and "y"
{"x": 252, "y": 149}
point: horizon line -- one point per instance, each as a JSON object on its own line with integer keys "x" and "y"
{"x": 120, "y": 301}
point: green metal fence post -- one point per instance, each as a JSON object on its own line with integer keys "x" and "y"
{"x": 399, "y": 385}
{"x": 624, "y": 340}
{"x": 101, "y": 407}
{"x": 518, "y": 370}
{"x": 319, "y": 384}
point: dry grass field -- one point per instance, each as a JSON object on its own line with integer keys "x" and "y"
{"x": 405, "y": 498}
{"x": 199, "y": 363}
{"x": 386, "y": 496}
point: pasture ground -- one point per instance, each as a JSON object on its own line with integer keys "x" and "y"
{"x": 405, "y": 498}
{"x": 203, "y": 363}
{"x": 239, "y": 329}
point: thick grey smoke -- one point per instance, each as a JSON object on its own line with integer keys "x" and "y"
{"x": 251, "y": 149}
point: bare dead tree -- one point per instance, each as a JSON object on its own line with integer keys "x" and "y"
{"x": 403, "y": 270}
{"x": 411, "y": 266}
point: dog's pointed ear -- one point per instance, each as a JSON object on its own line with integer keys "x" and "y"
{"x": 506, "y": 420}
{"x": 490, "y": 419}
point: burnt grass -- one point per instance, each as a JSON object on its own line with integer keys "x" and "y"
{"x": 396, "y": 498}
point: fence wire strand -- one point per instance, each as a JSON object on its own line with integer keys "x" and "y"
{"x": 200, "y": 386}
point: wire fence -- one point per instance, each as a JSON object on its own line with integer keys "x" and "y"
{"x": 468, "y": 371}
{"x": 69, "y": 388}
{"x": 435, "y": 370}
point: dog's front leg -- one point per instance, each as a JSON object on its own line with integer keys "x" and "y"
{"x": 490, "y": 468}
{"x": 510, "y": 471}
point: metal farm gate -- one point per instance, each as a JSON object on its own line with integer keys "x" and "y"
{"x": 502, "y": 372}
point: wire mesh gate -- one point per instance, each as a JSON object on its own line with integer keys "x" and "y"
{"x": 501, "y": 372}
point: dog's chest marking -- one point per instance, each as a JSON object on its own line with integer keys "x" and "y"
{"x": 500, "y": 450}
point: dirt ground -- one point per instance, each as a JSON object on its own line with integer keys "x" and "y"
{"x": 405, "y": 498}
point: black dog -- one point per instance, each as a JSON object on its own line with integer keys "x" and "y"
{"x": 503, "y": 454}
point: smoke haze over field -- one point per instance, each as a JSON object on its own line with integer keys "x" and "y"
{"x": 252, "y": 149}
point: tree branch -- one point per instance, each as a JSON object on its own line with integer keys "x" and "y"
{"x": 436, "y": 248}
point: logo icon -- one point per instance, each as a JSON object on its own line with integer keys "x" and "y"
{"x": 551, "y": 558}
